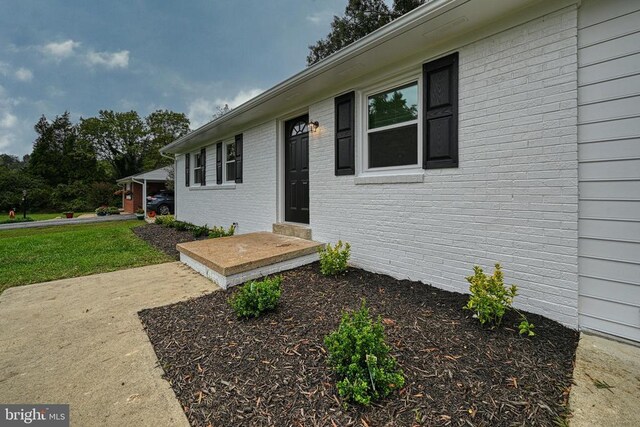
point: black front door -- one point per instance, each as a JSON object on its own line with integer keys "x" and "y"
{"x": 296, "y": 163}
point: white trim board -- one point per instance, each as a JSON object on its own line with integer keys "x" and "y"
{"x": 225, "y": 282}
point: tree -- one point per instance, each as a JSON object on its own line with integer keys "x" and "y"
{"x": 163, "y": 127}
{"x": 129, "y": 143}
{"x": 11, "y": 162}
{"x": 119, "y": 138}
{"x": 361, "y": 17}
{"x": 58, "y": 156}
{"x": 222, "y": 110}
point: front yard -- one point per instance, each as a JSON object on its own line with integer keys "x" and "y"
{"x": 273, "y": 370}
{"x": 35, "y": 255}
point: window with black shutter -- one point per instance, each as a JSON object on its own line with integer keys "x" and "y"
{"x": 197, "y": 168}
{"x": 219, "y": 163}
{"x": 440, "y": 129}
{"x": 203, "y": 156}
{"x": 344, "y": 143}
{"x": 187, "y": 170}
{"x": 239, "y": 158}
{"x": 229, "y": 161}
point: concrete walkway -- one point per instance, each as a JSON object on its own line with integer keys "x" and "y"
{"x": 607, "y": 384}
{"x": 79, "y": 341}
{"x": 67, "y": 221}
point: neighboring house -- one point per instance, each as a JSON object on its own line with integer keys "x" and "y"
{"x": 137, "y": 187}
{"x": 465, "y": 132}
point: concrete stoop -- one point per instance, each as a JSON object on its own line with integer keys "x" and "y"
{"x": 293, "y": 230}
{"x": 230, "y": 261}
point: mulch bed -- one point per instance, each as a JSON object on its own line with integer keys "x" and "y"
{"x": 272, "y": 370}
{"x": 164, "y": 238}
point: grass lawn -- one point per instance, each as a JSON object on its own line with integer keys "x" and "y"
{"x": 35, "y": 255}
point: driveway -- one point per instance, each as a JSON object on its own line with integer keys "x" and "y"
{"x": 79, "y": 341}
{"x": 607, "y": 384}
{"x": 67, "y": 221}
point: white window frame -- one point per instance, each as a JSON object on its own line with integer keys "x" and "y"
{"x": 195, "y": 156}
{"x": 363, "y": 141}
{"x": 225, "y": 144}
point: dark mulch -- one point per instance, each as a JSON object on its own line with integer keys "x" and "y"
{"x": 272, "y": 370}
{"x": 164, "y": 238}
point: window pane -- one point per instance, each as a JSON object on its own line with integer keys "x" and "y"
{"x": 394, "y": 147}
{"x": 394, "y": 106}
{"x": 198, "y": 160}
{"x": 231, "y": 171}
{"x": 231, "y": 152}
{"x": 197, "y": 176}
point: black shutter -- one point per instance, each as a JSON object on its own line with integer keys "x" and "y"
{"x": 440, "y": 139}
{"x": 203, "y": 159}
{"x": 219, "y": 163}
{"x": 239, "y": 158}
{"x": 345, "y": 133}
{"x": 187, "y": 169}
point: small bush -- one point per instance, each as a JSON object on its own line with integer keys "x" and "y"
{"x": 102, "y": 210}
{"x": 526, "y": 328}
{"x": 221, "y": 232}
{"x": 16, "y": 219}
{"x": 360, "y": 356}
{"x": 198, "y": 231}
{"x": 165, "y": 220}
{"x": 256, "y": 297}
{"x": 489, "y": 299}
{"x": 112, "y": 210}
{"x": 139, "y": 211}
{"x": 181, "y": 225}
{"x": 334, "y": 260}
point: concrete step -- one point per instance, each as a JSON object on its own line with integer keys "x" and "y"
{"x": 294, "y": 230}
{"x": 229, "y": 261}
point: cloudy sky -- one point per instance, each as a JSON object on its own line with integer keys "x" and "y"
{"x": 188, "y": 56}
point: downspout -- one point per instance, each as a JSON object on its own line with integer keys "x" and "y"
{"x": 175, "y": 171}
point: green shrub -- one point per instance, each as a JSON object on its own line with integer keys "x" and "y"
{"x": 333, "y": 260}
{"x": 165, "y": 220}
{"x": 198, "y": 231}
{"x": 102, "y": 210}
{"x": 112, "y": 210}
{"x": 101, "y": 193}
{"x": 256, "y": 297}
{"x": 16, "y": 219}
{"x": 360, "y": 357}
{"x": 181, "y": 225}
{"x": 221, "y": 232}
{"x": 489, "y": 299}
{"x": 526, "y": 328}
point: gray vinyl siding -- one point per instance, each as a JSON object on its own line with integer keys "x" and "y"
{"x": 609, "y": 166}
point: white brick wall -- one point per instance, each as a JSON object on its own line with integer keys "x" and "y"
{"x": 252, "y": 204}
{"x": 513, "y": 199}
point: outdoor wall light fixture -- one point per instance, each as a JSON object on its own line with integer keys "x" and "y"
{"x": 314, "y": 125}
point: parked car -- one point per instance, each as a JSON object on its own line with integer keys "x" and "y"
{"x": 162, "y": 202}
